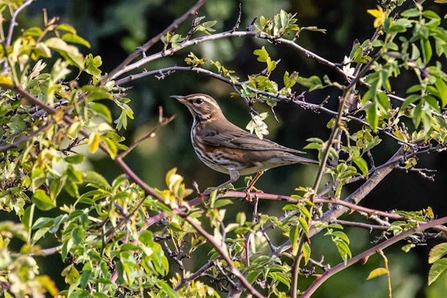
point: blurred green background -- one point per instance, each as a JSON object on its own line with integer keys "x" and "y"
{"x": 116, "y": 28}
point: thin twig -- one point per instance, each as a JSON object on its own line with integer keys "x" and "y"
{"x": 13, "y": 23}
{"x": 151, "y": 42}
{"x": 195, "y": 275}
{"x": 26, "y": 138}
{"x": 150, "y": 134}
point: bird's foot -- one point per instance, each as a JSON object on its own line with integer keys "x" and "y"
{"x": 251, "y": 196}
{"x": 218, "y": 190}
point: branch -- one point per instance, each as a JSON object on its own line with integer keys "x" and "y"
{"x": 359, "y": 194}
{"x": 151, "y": 42}
{"x": 362, "y": 225}
{"x": 161, "y": 122}
{"x": 274, "y": 39}
{"x": 129, "y": 67}
{"x": 25, "y": 138}
{"x": 224, "y": 254}
{"x": 366, "y": 254}
{"x": 195, "y": 275}
{"x": 13, "y": 22}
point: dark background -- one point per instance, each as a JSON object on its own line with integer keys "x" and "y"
{"x": 116, "y": 28}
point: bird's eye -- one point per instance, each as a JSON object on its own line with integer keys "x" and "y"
{"x": 198, "y": 100}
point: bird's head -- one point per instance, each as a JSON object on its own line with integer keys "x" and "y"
{"x": 202, "y": 107}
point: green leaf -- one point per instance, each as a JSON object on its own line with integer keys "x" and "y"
{"x": 33, "y": 31}
{"x": 74, "y": 159}
{"x": 253, "y": 276}
{"x": 73, "y": 38}
{"x": 27, "y": 217}
{"x": 426, "y": 50}
{"x": 442, "y": 91}
{"x": 376, "y": 273}
{"x": 431, "y": 15}
{"x": 222, "y": 203}
{"x": 56, "y": 186}
{"x": 408, "y": 247}
{"x": 97, "y": 93}
{"x": 93, "y": 178}
{"x": 262, "y": 54}
{"x": 437, "y": 270}
{"x": 411, "y": 13}
{"x": 417, "y": 113}
{"x": 414, "y": 88}
{"x": 372, "y": 116}
{"x": 167, "y": 289}
{"x": 415, "y": 54}
{"x": 73, "y": 174}
{"x": 281, "y": 277}
{"x": 42, "y": 200}
{"x": 343, "y": 250}
{"x": 362, "y": 165}
{"x": 335, "y": 226}
{"x": 72, "y": 188}
{"x": 399, "y": 26}
{"x": 437, "y": 253}
{"x": 313, "y": 82}
{"x": 85, "y": 277}
{"x": 306, "y": 252}
{"x": 37, "y": 235}
{"x": 101, "y": 110}
{"x": 92, "y": 65}
{"x": 66, "y": 28}
{"x": 293, "y": 236}
{"x": 409, "y": 100}
{"x": 304, "y": 225}
{"x": 42, "y": 222}
{"x": 70, "y": 53}
{"x": 341, "y": 235}
{"x": 112, "y": 149}
{"x": 383, "y": 101}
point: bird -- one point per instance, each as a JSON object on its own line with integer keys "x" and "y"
{"x": 229, "y": 149}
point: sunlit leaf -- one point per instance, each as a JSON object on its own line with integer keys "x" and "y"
{"x": 377, "y": 273}
{"x": 437, "y": 252}
{"x": 437, "y": 270}
{"x": 42, "y": 200}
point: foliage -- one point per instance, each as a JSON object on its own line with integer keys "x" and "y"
{"x": 122, "y": 237}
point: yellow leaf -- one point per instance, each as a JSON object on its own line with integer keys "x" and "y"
{"x": 4, "y": 80}
{"x": 59, "y": 115}
{"x": 93, "y": 142}
{"x": 377, "y": 272}
{"x": 379, "y": 14}
{"x": 429, "y": 213}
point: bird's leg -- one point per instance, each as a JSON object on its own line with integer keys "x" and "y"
{"x": 234, "y": 175}
{"x": 253, "y": 181}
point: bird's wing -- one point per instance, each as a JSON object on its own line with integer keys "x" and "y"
{"x": 237, "y": 138}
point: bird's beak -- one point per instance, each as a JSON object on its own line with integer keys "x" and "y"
{"x": 178, "y": 97}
